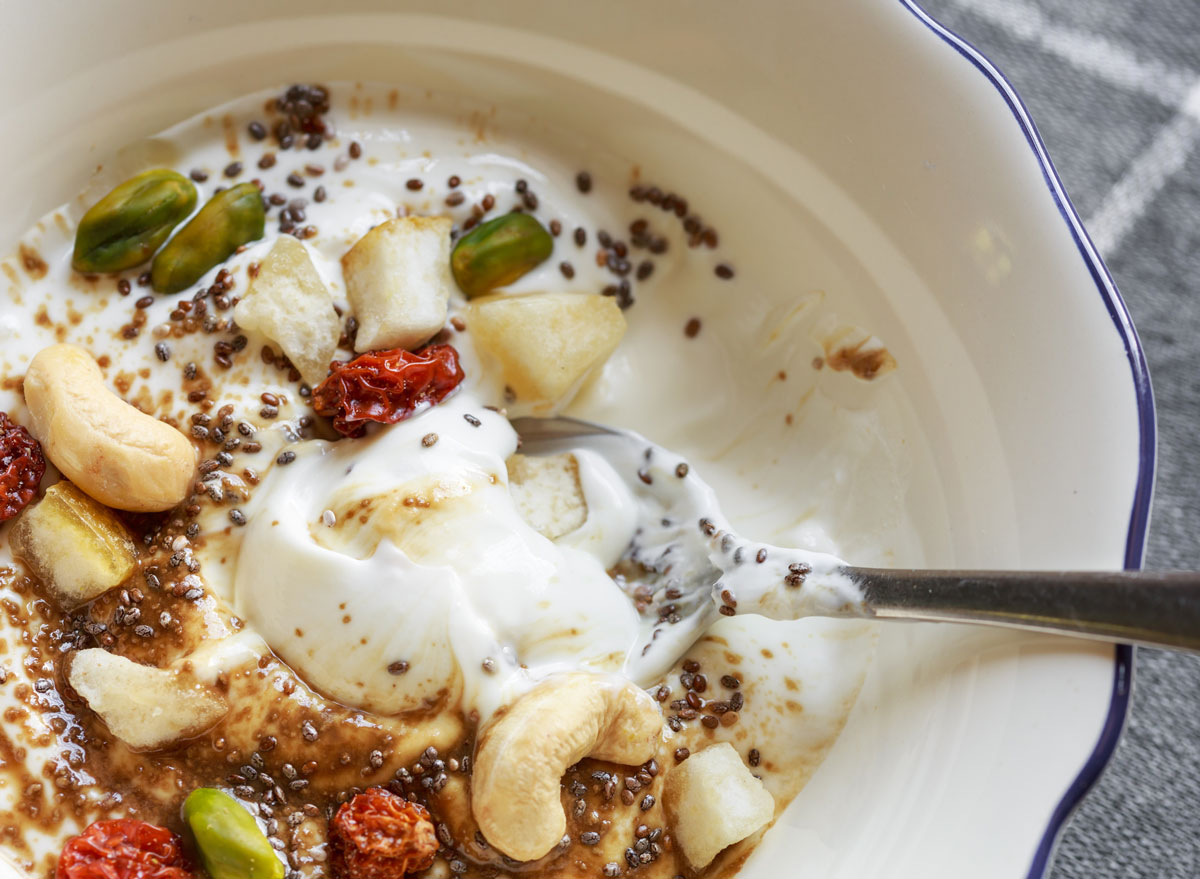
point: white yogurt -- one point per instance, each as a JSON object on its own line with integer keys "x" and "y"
{"x": 798, "y": 457}
{"x": 428, "y": 568}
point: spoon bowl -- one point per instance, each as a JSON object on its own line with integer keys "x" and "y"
{"x": 696, "y": 567}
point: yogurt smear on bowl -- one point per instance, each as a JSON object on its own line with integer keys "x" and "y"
{"x": 368, "y": 612}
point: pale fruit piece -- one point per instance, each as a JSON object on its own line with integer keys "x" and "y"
{"x": 76, "y": 546}
{"x": 713, "y": 801}
{"x": 289, "y": 304}
{"x": 546, "y": 343}
{"x": 146, "y": 708}
{"x": 398, "y": 282}
{"x": 547, "y": 492}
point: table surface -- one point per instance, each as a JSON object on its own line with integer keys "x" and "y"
{"x": 1114, "y": 88}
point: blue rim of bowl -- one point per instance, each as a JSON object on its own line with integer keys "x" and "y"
{"x": 1139, "y": 517}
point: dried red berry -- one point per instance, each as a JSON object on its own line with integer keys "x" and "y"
{"x": 123, "y": 849}
{"x": 22, "y": 466}
{"x": 378, "y": 835}
{"x": 386, "y": 386}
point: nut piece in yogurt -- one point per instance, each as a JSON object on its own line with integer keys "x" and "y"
{"x": 146, "y": 708}
{"x": 112, "y": 451}
{"x": 229, "y": 219}
{"x": 289, "y": 303}
{"x": 398, "y": 282}
{"x": 521, "y": 757}
{"x": 124, "y": 228}
{"x": 75, "y": 546}
{"x": 546, "y": 343}
{"x": 713, "y": 801}
{"x": 547, "y": 492}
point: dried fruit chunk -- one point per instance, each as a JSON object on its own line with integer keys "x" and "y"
{"x": 146, "y": 708}
{"x": 124, "y": 228}
{"x": 123, "y": 849}
{"x": 231, "y": 218}
{"x": 713, "y": 801}
{"x": 547, "y": 492}
{"x": 499, "y": 252}
{"x": 230, "y": 843}
{"x": 290, "y": 304}
{"x": 398, "y": 282}
{"x": 378, "y": 835}
{"x": 22, "y": 466}
{"x": 74, "y": 545}
{"x": 386, "y": 387}
{"x": 546, "y": 342}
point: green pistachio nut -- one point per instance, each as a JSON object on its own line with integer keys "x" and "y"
{"x": 499, "y": 252}
{"x": 231, "y": 218}
{"x": 124, "y": 228}
{"x": 230, "y": 844}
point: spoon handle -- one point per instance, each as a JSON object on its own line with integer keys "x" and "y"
{"x": 1160, "y": 609}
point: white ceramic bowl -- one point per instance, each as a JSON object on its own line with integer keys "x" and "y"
{"x": 917, "y": 163}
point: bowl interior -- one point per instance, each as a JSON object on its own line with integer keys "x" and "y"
{"x": 871, "y": 161}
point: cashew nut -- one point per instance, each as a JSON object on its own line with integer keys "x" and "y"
{"x": 112, "y": 451}
{"x": 521, "y": 757}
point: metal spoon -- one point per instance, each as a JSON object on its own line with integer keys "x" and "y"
{"x": 698, "y": 568}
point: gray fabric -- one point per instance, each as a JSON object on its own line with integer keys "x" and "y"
{"x": 1107, "y": 83}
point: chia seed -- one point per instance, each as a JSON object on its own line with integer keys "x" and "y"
{"x": 429, "y": 439}
{"x": 398, "y": 668}
{"x": 237, "y": 517}
{"x": 286, "y": 458}
{"x": 472, "y": 420}
{"x": 308, "y": 731}
{"x": 589, "y": 837}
